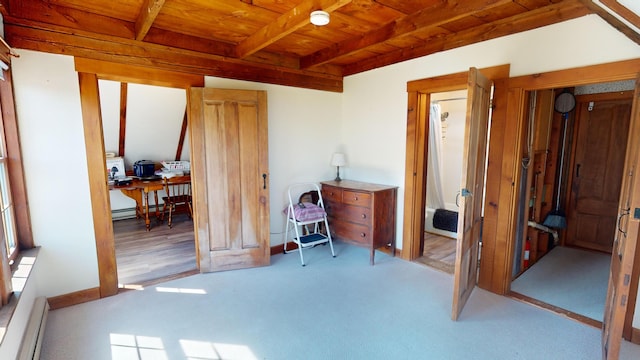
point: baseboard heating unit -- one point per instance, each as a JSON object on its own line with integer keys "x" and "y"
{"x": 32, "y": 340}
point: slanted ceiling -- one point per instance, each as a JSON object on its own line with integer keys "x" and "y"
{"x": 273, "y": 41}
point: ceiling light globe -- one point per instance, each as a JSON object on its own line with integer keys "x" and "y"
{"x": 319, "y": 18}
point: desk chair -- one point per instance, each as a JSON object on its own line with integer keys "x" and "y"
{"x": 178, "y": 189}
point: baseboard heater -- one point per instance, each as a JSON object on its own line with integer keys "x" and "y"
{"x": 32, "y": 339}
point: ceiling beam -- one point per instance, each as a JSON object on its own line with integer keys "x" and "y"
{"x": 439, "y": 14}
{"x": 48, "y": 13}
{"x": 548, "y": 15}
{"x": 623, "y": 11}
{"x": 285, "y": 24}
{"x": 59, "y": 40}
{"x": 41, "y": 15}
{"x": 613, "y": 21}
{"x": 148, "y": 13}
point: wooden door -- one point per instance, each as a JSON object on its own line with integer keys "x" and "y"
{"x": 470, "y": 221}
{"x": 230, "y": 183}
{"x": 626, "y": 239}
{"x": 602, "y": 123}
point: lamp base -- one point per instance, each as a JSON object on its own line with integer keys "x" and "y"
{"x": 337, "y": 174}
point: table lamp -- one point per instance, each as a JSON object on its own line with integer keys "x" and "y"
{"x": 337, "y": 160}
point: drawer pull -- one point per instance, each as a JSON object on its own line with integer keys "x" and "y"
{"x": 364, "y": 216}
{"x": 363, "y": 234}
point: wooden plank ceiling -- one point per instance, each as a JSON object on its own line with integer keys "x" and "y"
{"x": 270, "y": 41}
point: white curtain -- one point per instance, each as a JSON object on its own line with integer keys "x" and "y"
{"x": 435, "y": 190}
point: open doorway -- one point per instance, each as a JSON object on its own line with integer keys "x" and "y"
{"x": 146, "y": 123}
{"x": 573, "y": 176}
{"x": 444, "y": 170}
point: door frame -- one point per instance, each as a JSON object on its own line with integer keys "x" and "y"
{"x": 89, "y": 72}
{"x": 587, "y": 75}
{"x": 419, "y": 96}
{"x": 503, "y": 167}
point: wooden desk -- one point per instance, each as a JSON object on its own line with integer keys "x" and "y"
{"x": 139, "y": 190}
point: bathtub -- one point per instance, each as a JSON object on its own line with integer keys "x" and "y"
{"x": 428, "y": 225}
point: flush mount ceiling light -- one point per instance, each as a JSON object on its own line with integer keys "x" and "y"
{"x": 319, "y": 18}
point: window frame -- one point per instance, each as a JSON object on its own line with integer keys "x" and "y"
{"x": 11, "y": 156}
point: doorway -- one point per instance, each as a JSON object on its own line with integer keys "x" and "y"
{"x": 131, "y": 115}
{"x": 568, "y": 271}
{"x": 444, "y": 171}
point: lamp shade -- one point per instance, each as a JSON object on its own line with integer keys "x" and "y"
{"x": 338, "y": 159}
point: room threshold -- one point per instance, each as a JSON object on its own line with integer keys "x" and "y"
{"x": 143, "y": 284}
{"x": 557, "y": 310}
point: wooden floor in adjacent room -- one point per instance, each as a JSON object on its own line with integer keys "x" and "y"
{"x": 439, "y": 252}
{"x": 143, "y": 257}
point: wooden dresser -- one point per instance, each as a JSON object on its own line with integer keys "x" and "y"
{"x": 361, "y": 213}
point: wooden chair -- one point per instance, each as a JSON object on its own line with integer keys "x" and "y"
{"x": 178, "y": 196}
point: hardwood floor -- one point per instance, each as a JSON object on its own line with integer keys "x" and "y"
{"x": 439, "y": 252}
{"x": 144, "y": 257}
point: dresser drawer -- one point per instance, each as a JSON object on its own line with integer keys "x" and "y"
{"x": 357, "y": 214}
{"x": 356, "y": 198}
{"x": 349, "y": 213}
{"x": 331, "y": 193}
{"x": 350, "y": 232}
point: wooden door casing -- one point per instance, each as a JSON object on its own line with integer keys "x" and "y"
{"x": 230, "y": 178}
{"x": 470, "y": 221}
{"x": 625, "y": 241}
{"x": 602, "y": 123}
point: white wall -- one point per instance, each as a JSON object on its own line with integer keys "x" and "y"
{"x": 55, "y": 167}
{"x": 367, "y": 122}
{"x": 375, "y": 102}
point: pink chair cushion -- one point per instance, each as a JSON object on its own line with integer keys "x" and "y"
{"x": 307, "y": 213}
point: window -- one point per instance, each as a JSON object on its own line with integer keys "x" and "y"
{"x": 8, "y": 229}
{"x": 15, "y": 232}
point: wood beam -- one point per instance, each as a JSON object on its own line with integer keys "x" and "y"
{"x": 285, "y": 24}
{"x": 623, "y": 11}
{"x": 183, "y": 133}
{"x": 614, "y": 21}
{"x": 593, "y": 74}
{"x": 113, "y": 49}
{"x": 48, "y": 13}
{"x": 148, "y": 13}
{"x": 137, "y": 74}
{"x": 41, "y": 15}
{"x": 211, "y": 47}
{"x": 103, "y": 227}
{"x": 439, "y": 14}
{"x": 566, "y": 10}
{"x": 123, "y": 118}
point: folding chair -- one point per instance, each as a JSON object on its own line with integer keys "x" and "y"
{"x": 303, "y": 214}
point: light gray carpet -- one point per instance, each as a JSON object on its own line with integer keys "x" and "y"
{"x": 572, "y": 279}
{"x": 334, "y": 308}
